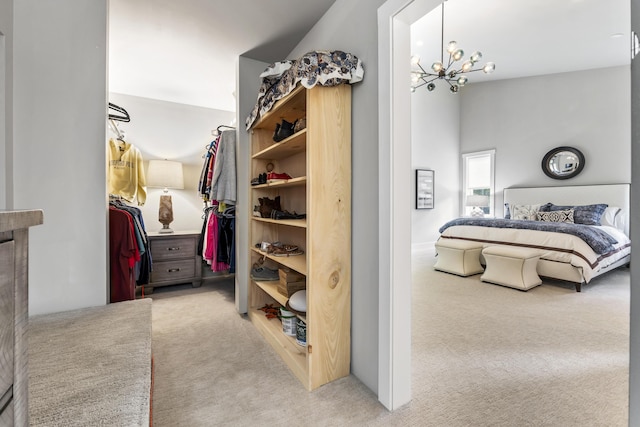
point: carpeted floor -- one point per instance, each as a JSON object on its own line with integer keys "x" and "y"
{"x": 91, "y": 366}
{"x": 482, "y": 355}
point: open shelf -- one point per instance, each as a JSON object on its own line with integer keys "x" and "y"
{"x": 293, "y": 105}
{"x": 296, "y": 143}
{"x": 293, "y": 182}
{"x": 302, "y": 223}
{"x": 293, "y": 354}
{"x": 296, "y": 262}
{"x": 271, "y": 288}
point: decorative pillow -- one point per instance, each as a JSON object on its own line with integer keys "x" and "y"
{"x": 587, "y": 214}
{"x": 526, "y": 212}
{"x": 507, "y": 211}
{"x": 556, "y": 216}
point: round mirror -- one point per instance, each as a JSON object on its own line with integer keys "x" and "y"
{"x": 563, "y": 163}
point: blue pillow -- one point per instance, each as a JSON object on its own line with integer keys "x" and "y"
{"x": 587, "y": 214}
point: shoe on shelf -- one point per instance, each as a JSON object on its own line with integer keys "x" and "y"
{"x": 278, "y": 214}
{"x": 300, "y": 124}
{"x": 264, "y": 274}
{"x": 283, "y": 130}
{"x": 261, "y": 179}
{"x": 285, "y": 250}
{"x": 273, "y": 176}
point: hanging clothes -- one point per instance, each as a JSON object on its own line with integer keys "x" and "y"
{"x": 217, "y": 186}
{"x": 126, "y": 172}
{"x": 206, "y": 175}
{"x": 130, "y": 258}
{"x": 217, "y": 241}
{"x": 124, "y": 253}
{"x": 223, "y": 184}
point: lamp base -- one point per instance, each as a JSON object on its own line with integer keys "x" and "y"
{"x": 165, "y": 230}
{"x": 477, "y": 212}
{"x": 165, "y": 213}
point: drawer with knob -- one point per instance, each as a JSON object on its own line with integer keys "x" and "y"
{"x": 175, "y": 259}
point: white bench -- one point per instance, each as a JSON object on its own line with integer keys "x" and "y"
{"x": 459, "y": 257}
{"x": 511, "y": 266}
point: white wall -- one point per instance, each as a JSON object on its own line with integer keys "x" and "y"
{"x": 525, "y": 118}
{"x": 60, "y": 65}
{"x": 435, "y": 144}
{"x": 172, "y": 131}
{"x": 337, "y": 30}
{"x": 248, "y": 85}
{"x": 6, "y": 102}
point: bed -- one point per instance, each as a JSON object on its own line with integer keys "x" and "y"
{"x": 575, "y": 253}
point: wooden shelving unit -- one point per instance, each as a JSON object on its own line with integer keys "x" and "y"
{"x": 318, "y": 158}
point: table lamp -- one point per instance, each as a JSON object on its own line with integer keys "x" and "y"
{"x": 165, "y": 174}
{"x": 477, "y": 201}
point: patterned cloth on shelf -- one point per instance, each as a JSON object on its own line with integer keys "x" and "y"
{"x": 325, "y": 68}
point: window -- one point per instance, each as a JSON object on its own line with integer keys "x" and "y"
{"x": 477, "y": 183}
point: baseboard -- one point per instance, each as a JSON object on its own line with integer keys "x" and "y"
{"x": 423, "y": 247}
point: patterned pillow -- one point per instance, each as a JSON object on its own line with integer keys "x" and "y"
{"x": 587, "y": 214}
{"x": 556, "y": 216}
{"x": 526, "y": 212}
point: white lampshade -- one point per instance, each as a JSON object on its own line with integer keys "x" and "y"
{"x": 165, "y": 174}
{"x": 477, "y": 200}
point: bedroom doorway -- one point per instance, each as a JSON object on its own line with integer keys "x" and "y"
{"x": 395, "y": 18}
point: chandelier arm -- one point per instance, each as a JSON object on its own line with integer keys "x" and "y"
{"x": 471, "y": 71}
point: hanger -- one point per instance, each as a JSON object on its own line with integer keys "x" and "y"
{"x": 122, "y": 117}
{"x": 114, "y": 127}
{"x": 219, "y": 128}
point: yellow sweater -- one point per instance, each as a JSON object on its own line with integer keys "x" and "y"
{"x": 126, "y": 172}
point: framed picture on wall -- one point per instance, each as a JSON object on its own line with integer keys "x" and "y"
{"x": 424, "y": 188}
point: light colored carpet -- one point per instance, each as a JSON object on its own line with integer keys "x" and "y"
{"x": 482, "y": 355}
{"x": 91, "y": 366}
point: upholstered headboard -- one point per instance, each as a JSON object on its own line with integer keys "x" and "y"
{"x": 612, "y": 194}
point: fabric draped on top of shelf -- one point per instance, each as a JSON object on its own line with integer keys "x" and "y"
{"x": 326, "y": 68}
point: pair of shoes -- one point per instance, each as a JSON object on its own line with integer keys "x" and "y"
{"x": 267, "y": 206}
{"x": 273, "y": 175}
{"x": 278, "y": 214}
{"x": 261, "y": 179}
{"x": 283, "y": 130}
{"x": 264, "y": 274}
{"x": 285, "y": 250}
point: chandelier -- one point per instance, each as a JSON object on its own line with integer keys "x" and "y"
{"x": 450, "y": 72}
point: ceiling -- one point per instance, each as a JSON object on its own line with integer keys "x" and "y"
{"x": 186, "y": 51}
{"x": 529, "y": 37}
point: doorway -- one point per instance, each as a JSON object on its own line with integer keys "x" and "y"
{"x": 394, "y": 20}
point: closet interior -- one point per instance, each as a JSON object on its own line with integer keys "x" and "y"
{"x": 143, "y": 257}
